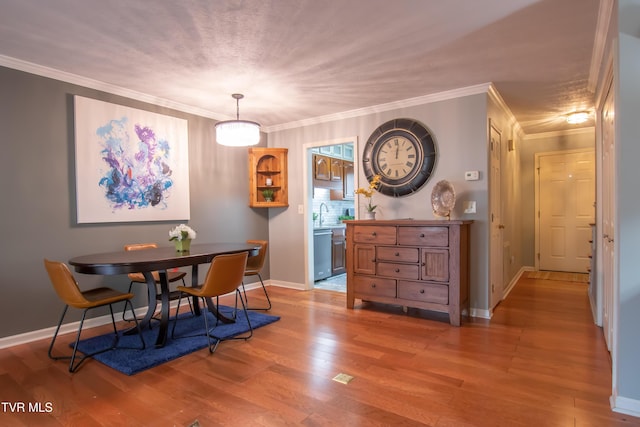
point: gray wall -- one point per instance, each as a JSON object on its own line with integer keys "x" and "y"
{"x": 460, "y": 129}
{"x": 627, "y": 110}
{"x": 38, "y": 197}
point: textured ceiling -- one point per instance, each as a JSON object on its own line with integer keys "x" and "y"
{"x": 302, "y": 59}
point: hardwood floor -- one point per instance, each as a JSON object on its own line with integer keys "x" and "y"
{"x": 539, "y": 362}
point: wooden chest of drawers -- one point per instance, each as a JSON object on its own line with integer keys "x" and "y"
{"x": 412, "y": 263}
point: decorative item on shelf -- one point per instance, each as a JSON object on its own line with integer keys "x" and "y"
{"x": 181, "y": 236}
{"x": 268, "y": 182}
{"x": 368, "y": 194}
{"x": 268, "y": 195}
{"x": 443, "y": 199}
{"x": 237, "y": 133}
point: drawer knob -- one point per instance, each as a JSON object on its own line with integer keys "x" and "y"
{"x": 422, "y": 291}
{"x": 373, "y": 285}
{"x": 397, "y": 253}
{"x": 397, "y": 270}
{"x": 373, "y": 234}
{"x": 421, "y": 234}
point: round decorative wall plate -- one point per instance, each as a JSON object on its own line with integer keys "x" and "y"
{"x": 403, "y": 153}
{"x": 443, "y": 198}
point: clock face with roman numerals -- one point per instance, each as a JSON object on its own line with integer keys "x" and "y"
{"x": 403, "y": 153}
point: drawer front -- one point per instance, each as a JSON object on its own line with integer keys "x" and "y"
{"x": 425, "y": 292}
{"x": 374, "y": 286}
{"x": 398, "y": 271}
{"x": 392, "y": 253}
{"x": 423, "y": 236}
{"x": 374, "y": 234}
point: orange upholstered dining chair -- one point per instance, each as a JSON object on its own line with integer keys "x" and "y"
{"x": 69, "y": 292}
{"x": 254, "y": 267}
{"x": 172, "y": 276}
{"x": 224, "y": 277}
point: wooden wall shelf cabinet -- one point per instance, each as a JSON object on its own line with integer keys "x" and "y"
{"x": 268, "y": 166}
{"x": 411, "y": 263}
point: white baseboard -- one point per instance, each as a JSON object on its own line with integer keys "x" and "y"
{"x": 288, "y": 285}
{"x": 515, "y": 279}
{"x": 94, "y": 322}
{"x": 625, "y": 405}
{"x": 481, "y": 313}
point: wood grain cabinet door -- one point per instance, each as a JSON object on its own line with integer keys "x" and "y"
{"x": 321, "y": 168}
{"x": 435, "y": 264}
{"x": 364, "y": 259}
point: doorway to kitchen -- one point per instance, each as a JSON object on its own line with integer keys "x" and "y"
{"x": 331, "y": 201}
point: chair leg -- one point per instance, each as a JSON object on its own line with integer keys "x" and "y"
{"x": 264, "y": 289}
{"x": 137, "y": 325}
{"x": 55, "y": 336}
{"x": 175, "y": 321}
{"x": 188, "y": 299}
{"x": 73, "y": 365}
{"x": 124, "y": 310}
{"x": 72, "y": 358}
{"x": 212, "y": 347}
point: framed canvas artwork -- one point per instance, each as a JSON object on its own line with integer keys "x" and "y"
{"x": 131, "y": 165}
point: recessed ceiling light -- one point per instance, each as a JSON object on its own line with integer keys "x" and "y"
{"x": 577, "y": 118}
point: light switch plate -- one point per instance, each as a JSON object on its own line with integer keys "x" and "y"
{"x": 469, "y": 206}
{"x": 300, "y": 209}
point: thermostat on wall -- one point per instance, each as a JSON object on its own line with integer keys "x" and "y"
{"x": 472, "y": 175}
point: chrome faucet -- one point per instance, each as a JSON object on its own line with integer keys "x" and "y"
{"x": 326, "y": 210}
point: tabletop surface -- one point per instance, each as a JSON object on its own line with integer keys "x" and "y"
{"x": 122, "y": 262}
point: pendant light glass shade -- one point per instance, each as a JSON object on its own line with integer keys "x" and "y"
{"x": 237, "y": 133}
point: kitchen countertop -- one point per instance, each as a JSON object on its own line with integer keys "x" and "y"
{"x": 330, "y": 226}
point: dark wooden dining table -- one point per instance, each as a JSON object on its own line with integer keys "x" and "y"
{"x": 159, "y": 259}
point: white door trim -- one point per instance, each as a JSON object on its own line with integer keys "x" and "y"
{"x": 537, "y": 193}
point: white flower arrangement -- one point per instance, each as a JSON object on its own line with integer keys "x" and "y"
{"x": 182, "y": 232}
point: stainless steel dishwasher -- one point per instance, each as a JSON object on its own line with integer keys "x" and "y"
{"x": 321, "y": 253}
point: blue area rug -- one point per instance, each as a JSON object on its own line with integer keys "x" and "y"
{"x": 131, "y": 361}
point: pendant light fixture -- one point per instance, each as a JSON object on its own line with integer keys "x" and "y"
{"x": 237, "y": 133}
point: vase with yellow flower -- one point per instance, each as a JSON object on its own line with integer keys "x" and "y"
{"x": 368, "y": 192}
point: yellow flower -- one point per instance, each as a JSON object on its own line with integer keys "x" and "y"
{"x": 368, "y": 192}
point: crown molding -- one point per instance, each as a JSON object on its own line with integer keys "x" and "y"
{"x": 52, "y": 73}
{"x": 579, "y": 131}
{"x": 411, "y": 102}
{"x": 605, "y": 11}
{"x": 497, "y": 98}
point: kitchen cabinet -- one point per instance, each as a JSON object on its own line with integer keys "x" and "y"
{"x": 336, "y": 170}
{"x": 321, "y": 168}
{"x": 348, "y": 181}
{"x": 338, "y": 251}
{"x": 411, "y": 263}
{"x": 268, "y": 171}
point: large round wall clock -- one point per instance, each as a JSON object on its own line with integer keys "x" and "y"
{"x": 403, "y": 153}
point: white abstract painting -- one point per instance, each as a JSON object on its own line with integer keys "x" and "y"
{"x": 131, "y": 165}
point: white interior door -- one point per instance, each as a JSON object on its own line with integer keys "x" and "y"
{"x": 496, "y": 256}
{"x": 608, "y": 216}
{"x": 566, "y": 210}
